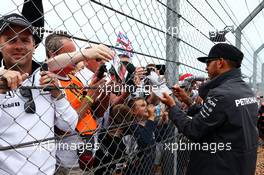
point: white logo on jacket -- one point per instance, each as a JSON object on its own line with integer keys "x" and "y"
{"x": 245, "y": 101}
{"x": 208, "y": 107}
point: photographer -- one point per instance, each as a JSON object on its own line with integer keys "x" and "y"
{"x": 82, "y": 101}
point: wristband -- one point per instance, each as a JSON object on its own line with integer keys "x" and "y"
{"x": 90, "y": 100}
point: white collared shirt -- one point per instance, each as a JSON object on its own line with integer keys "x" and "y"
{"x": 18, "y": 127}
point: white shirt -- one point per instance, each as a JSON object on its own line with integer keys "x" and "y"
{"x": 18, "y": 127}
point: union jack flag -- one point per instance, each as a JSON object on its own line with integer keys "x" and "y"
{"x": 124, "y": 43}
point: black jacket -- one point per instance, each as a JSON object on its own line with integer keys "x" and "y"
{"x": 261, "y": 122}
{"x": 224, "y": 130}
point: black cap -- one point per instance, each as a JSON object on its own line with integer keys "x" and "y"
{"x": 15, "y": 19}
{"x": 223, "y": 50}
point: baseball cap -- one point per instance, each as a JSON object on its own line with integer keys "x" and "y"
{"x": 15, "y": 19}
{"x": 223, "y": 50}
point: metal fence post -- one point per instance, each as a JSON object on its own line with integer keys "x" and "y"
{"x": 255, "y": 57}
{"x": 172, "y": 52}
{"x": 172, "y": 43}
{"x": 248, "y": 19}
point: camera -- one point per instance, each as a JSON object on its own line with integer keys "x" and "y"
{"x": 149, "y": 70}
{"x": 44, "y": 67}
{"x": 160, "y": 67}
{"x": 102, "y": 69}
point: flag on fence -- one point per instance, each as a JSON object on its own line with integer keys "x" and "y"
{"x": 124, "y": 44}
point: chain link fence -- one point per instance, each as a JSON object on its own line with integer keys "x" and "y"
{"x": 92, "y": 127}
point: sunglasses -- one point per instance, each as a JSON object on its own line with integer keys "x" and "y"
{"x": 29, "y": 105}
{"x": 208, "y": 61}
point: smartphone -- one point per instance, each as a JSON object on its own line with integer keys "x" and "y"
{"x": 44, "y": 67}
{"x": 161, "y": 68}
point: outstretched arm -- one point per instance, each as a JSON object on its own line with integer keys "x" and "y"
{"x": 98, "y": 52}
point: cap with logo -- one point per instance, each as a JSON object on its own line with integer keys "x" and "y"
{"x": 15, "y": 19}
{"x": 223, "y": 50}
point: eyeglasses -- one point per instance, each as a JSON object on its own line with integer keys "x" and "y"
{"x": 29, "y": 105}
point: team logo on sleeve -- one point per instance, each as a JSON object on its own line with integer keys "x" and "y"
{"x": 245, "y": 101}
{"x": 208, "y": 107}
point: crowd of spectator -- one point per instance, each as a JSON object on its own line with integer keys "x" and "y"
{"x": 113, "y": 115}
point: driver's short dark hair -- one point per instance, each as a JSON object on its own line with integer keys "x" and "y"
{"x": 233, "y": 64}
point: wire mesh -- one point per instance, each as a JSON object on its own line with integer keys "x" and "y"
{"x": 75, "y": 120}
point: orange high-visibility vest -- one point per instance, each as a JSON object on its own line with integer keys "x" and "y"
{"x": 87, "y": 122}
